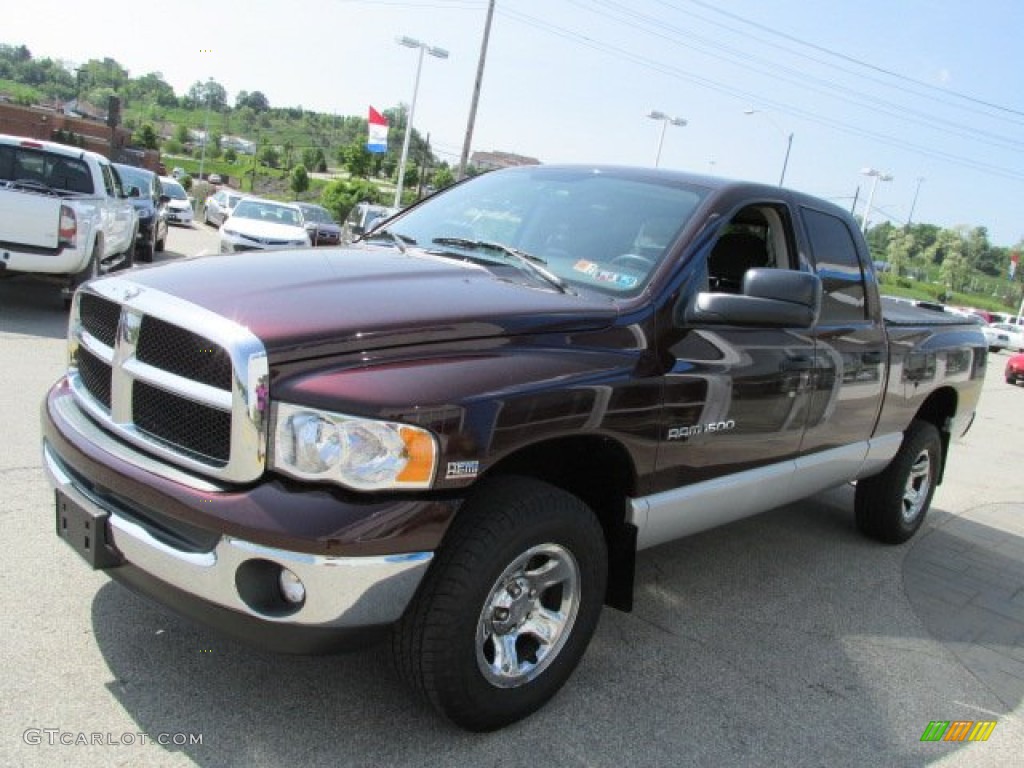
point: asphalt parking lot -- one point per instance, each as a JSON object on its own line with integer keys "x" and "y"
{"x": 786, "y": 639}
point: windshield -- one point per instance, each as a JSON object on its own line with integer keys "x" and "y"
{"x": 265, "y": 211}
{"x": 134, "y": 178}
{"x": 315, "y": 213}
{"x": 174, "y": 190}
{"x": 601, "y": 230}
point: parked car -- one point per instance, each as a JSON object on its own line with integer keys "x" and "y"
{"x": 362, "y": 218}
{"x": 178, "y": 173}
{"x": 261, "y": 225}
{"x": 1014, "y": 335}
{"x": 219, "y": 205}
{"x": 214, "y": 178}
{"x": 147, "y": 195}
{"x": 179, "y": 204}
{"x": 321, "y": 226}
{"x": 1015, "y": 369}
{"x": 997, "y": 340}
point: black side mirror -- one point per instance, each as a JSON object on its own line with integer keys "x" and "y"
{"x": 771, "y": 298}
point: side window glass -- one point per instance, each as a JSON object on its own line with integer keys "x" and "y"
{"x": 756, "y": 237}
{"x": 112, "y": 185}
{"x": 839, "y": 268}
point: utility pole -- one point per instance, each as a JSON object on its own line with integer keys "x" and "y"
{"x": 913, "y": 205}
{"x": 424, "y": 165}
{"x": 464, "y": 159}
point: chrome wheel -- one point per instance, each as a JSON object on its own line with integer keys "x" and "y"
{"x": 919, "y": 482}
{"x": 528, "y": 616}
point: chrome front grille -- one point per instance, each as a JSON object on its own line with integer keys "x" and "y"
{"x": 183, "y": 383}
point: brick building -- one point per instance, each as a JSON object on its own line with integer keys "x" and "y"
{"x": 51, "y": 124}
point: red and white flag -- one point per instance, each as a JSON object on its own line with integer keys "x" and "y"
{"x": 378, "y": 126}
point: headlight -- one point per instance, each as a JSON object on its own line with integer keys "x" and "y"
{"x": 362, "y": 454}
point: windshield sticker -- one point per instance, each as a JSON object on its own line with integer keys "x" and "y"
{"x": 594, "y": 271}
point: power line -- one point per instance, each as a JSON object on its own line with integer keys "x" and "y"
{"x": 749, "y": 97}
{"x": 852, "y": 60}
{"x": 802, "y": 78}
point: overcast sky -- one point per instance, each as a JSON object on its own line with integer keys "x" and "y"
{"x": 921, "y": 89}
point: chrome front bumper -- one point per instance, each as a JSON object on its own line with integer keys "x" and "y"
{"x": 340, "y": 592}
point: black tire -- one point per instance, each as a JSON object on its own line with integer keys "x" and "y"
{"x": 91, "y": 270}
{"x": 128, "y": 257}
{"x": 145, "y": 252}
{"x": 892, "y": 505}
{"x": 485, "y": 584}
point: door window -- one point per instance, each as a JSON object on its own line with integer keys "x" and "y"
{"x": 839, "y": 268}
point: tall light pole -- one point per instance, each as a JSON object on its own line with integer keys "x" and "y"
{"x": 789, "y": 139}
{"x": 665, "y": 120}
{"x": 877, "y": 176}
{"x": 439, "y": 53}
{"x": 913, "y": 205}
{"x": 206, "y": 130}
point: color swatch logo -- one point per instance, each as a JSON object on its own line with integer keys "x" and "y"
{"x": 958, "y": 730}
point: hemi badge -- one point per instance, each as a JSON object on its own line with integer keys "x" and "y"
{"x": 460, "y": 469}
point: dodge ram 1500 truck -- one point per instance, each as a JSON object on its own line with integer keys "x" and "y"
{"x": 463, "y": 428}
{"x": 63, "y": 213}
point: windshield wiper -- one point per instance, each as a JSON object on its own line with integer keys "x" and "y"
{"x": 531, "y": 263}
{"x": 400, "y": 241}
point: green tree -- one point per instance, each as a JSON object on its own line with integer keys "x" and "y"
{"x": 181, "y": 134}
{"x": 148, "y": 138}
{"x": 899, "y": 250}
{"x": 270, "y": 156}
{"x": 299, "y": 179}
{"x": 313, "y": 158}
{"x": 230, "y": 155}
{"x": 356, "y": 158}
{"x": 955, "y": 267}
{"x": 443, "y": 177}
{"x": 340, "y": 196}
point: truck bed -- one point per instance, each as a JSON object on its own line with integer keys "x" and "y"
{"x": 902, "y": 313}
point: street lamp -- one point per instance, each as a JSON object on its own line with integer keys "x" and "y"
{"x": 878, "y": 176}
{"x": 665, "y": 120}
{"x": 789, "y": 138}
{"x": 439, "y": 53}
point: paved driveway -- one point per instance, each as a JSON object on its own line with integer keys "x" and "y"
{"x": 786, "y": 639}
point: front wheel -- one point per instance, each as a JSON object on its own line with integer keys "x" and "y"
{"x": 508, "y": 608}
{"x": 891, "y": 505}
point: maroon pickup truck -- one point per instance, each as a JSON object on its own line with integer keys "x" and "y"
{"x": 459, "y": 431}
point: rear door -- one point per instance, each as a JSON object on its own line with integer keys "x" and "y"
{"x": 851, "y": 350}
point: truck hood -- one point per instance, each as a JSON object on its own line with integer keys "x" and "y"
{"x": 314, "y": 302}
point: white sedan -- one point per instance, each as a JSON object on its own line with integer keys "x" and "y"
{"x": 179, "y": 207}
{"x": 1004, "y": 336}
{"x": 261, "y": 225}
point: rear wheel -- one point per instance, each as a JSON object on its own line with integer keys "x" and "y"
{"x": 508, "y": 607}
{"x": 91, "y": 270}
{"x": 892, "y": 505}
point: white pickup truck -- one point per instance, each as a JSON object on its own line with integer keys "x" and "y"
{"x": 63, "y": 213}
